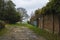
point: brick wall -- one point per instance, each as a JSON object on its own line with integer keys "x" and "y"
{"x": 56, "y": 24}
{"x": 41, "y": 22}
{"x": 47, "y": 22}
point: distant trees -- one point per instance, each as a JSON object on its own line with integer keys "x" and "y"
{"x": 23, "y": 13}
{"x": 8, "y": 12}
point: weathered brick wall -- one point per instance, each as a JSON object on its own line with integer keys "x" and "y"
{"x": 41, "y": 22}
{"x": 56, "y": 24}
{"x": 48, "y": 22}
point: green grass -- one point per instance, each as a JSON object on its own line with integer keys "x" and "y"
{"x": 38, "y": 31}
{"x": 3, "y": 31}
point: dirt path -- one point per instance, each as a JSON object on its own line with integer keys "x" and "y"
{"x": 22, "y": 33}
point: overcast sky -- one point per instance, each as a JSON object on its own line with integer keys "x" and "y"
{"x": 30, "y": 5}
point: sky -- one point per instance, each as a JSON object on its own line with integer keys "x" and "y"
{"x": 30, "y": 5}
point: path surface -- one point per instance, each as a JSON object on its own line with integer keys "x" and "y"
{"x": 22, "y": 33}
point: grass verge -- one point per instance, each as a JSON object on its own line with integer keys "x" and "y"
{"x": 3, "y": 31}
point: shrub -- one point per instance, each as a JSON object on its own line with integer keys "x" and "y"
{"x": 2, "y": 24}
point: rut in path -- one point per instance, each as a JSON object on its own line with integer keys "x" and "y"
{"x": 22, "y": 33}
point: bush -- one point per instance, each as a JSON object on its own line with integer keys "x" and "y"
{"x": 2, "y": 24}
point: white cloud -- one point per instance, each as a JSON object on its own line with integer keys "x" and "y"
{"x": 30, "y": 5}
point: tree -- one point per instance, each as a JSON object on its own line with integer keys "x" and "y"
{"x": 9, "y": 12}
{"x": 23, "y": 14}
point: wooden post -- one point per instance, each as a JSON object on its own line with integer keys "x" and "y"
{"x": 53, "y": 23}
{"x": 43, "y": 22}
{"x": 59, "y": 25}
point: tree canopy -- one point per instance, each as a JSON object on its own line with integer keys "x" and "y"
{"x": 8, "y": 12}
{"x": 23, "y": 13}
{"x": 52, "y": 7}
